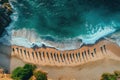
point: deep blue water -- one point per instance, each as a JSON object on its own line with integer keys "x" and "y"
{"x": 88, "y": 20}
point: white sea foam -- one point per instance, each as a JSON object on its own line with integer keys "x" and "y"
{"x": 26, "y": 37}
{"x": 115, "y": 38}
{"x": 21, "y": 42}
{"x": 91, "y": 39}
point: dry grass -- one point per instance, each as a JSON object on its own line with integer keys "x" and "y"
{"x": 5, "y": 77}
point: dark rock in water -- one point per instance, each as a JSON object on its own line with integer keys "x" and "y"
{"x": 35, "y": 46}
{"x": 5, "y": 11}
{"x": 43, "y": 46}
{"x": 3, "y": 1}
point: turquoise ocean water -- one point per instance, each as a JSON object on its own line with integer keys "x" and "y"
{"x": 58, "y": 20}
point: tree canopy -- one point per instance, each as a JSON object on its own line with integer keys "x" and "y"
{"x": 23, "y": 73}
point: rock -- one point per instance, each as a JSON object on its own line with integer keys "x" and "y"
{"x": 3, "y": 1}
{"x": 35, "y": 46}
{"x": 44, "y": 46}
{"x": 5, "y": 12}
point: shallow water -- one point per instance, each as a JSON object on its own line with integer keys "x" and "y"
{"x": 62, "y": 20}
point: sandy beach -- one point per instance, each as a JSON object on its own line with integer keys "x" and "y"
{"x": 68, "y": 39}
{"x": 91, "y": 69}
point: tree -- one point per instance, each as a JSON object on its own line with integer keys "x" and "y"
{"x": 29, "y": 67}
{"x": 39, "y": 75}
{"x": 16, "y": 73}
{"x": 23, "y": 73}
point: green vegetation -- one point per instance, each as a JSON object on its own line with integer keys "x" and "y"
{"x": 109, "y": 76}
{"x": 23, "y": 73}
{"x": 26, "y": 72}
{"x": 40, "y": 75}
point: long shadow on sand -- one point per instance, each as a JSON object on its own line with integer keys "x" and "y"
{"x": 5, "y": 53}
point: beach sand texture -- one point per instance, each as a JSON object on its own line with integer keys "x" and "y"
{"x": 53, "y": 57}
{"x": 86, "y": 63}
{"x": 92, "y": 61}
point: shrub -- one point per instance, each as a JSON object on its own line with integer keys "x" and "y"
{"x": 40, "y": 75}
{"x": 16, "y": 73}
{"x": 117, "y": 73}
{"x": 23, "y": 73}
{"x": 108, "y": 76}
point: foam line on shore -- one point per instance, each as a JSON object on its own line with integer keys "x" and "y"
{"x": 29, "y": 37}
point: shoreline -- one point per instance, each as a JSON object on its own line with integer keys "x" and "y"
{"x": 29, "y": 37}
{"x": 102, "y": 40}
{"x": 69, "y": 44}
{"x": 53, "y": 57}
